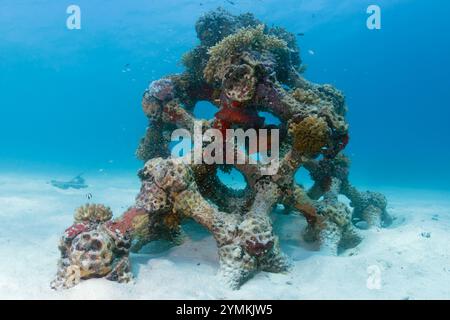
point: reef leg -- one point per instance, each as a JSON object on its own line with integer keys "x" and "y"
{"x": 350, "y": 237}
{"x": 300, "y": 200}
{"x": 368, "y": 206}
{"x": 176, "y": 179}
{"x": 235, "y": 264}
{"x": 245, "y": 243}
{"x": 329, "y": 238}
{"x": 257, "y": 232}
{"x": 334, "y": 229}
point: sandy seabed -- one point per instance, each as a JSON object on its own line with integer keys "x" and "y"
{"x": 412, "y": 256}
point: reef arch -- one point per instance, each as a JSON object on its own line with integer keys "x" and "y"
{"x": 244, "y": 67}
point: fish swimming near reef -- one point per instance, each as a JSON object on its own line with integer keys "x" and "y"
{"x": 76, "y": 183}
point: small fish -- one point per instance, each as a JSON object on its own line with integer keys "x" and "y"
{"x": 300, "y": 34}
{"x": 230, "y": 2}
{"x": 89, "y": 196}
{"x": 311, "y": 52}
{"x": 126, "y": 68}
{"x": 426, "y": 234}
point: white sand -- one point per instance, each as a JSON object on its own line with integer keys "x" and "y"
{"x": 33, "y": 215}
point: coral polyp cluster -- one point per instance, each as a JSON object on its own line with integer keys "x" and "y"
{"x": 93, "y": 213}
{"x": 309, "y": 135}
{"x": 244, "y": 68}
{"x": 226, "y": 55}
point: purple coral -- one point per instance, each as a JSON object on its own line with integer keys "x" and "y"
{"x": 162, "y": 89}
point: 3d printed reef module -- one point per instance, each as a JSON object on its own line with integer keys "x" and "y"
{"x": 243, "y": 67}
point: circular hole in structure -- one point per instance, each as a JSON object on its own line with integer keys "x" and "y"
{"x": 96, "y": 245}
{"x": 86, "y": 236}
{"x": 269, "y": 118}
{"x": 205, "y": 110}
{"x": 233, "y": 179}
{"x": 303, "y": 178}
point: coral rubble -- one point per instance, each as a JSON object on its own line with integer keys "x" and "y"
{"x": 243, "y": 67}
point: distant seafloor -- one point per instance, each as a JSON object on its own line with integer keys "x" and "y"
{"x": 412, "y": 254}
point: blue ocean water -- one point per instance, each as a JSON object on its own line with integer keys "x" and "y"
{"x": 70, "y": 99}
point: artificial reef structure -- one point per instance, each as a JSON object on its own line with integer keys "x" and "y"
{"x": 243, "y": 67}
